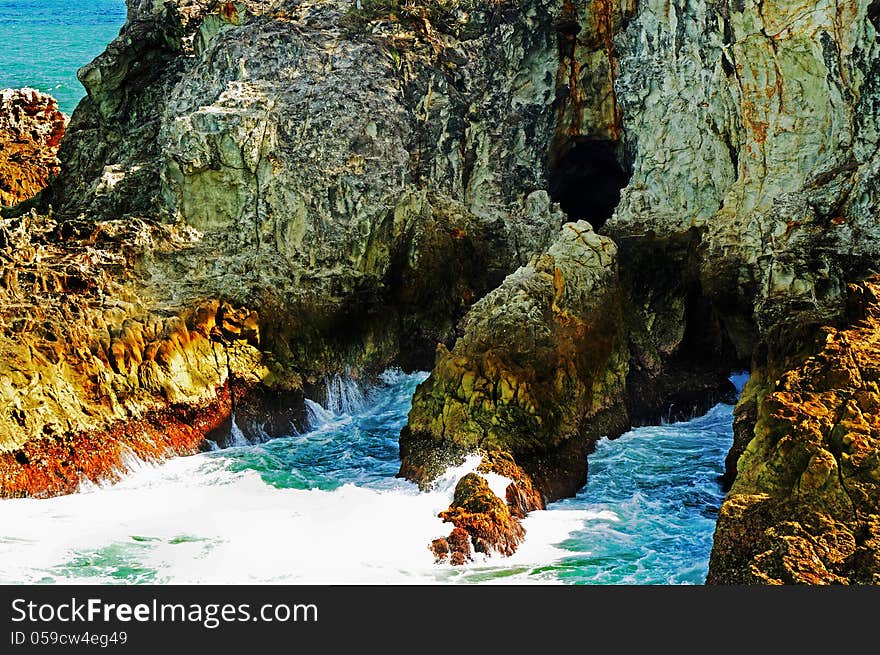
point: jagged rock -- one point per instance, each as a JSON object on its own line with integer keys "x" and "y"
{"x": 755, "y": 123}
{"x": 538, "y": 373}
{"x": 748, "y": 198}
{"x": 350, "y": 181}
{"x": 96, "y": 371}
{"x": 367, "y": 176}
{"x": 347, "y": 184}
{"x": 484, "y": 522}
{"x": 484, "y": 517}
{"x": 806, "y": 501}
{"x": 31, "y": 127}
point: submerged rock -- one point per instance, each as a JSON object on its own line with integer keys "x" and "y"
{"x": 31, "y": 128}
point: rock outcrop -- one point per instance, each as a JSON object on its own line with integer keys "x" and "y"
{"x": 351, "y": 181}
{"x": 31, "y": 127}
{"x": 96, "y": 371}
{"x": 805, "y": 506}
{"x": 539, "y": 372}
{"x": 366, "y": 175}
{"x": 745, "y": 134}
{"x": 483, "y": 521}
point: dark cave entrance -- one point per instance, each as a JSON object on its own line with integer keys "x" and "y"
{"x": 874, "y": 14}
{"x": 587, "y": 178}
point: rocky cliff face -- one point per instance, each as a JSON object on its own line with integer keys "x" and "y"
{"x": 97, "y": 370}
{"x": 748, "y": 197}
{"x": 349, "y": 182}
{"x": 31, "y": 128}
{"x": 337, "y": 165}
{"x": 804, "y": 507}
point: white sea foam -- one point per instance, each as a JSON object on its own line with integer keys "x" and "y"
{"x": 238, "y": 437}
{"x": 497, "y": 483}
{"x": 212, "y": 518}
{"x": 191, "y": 520}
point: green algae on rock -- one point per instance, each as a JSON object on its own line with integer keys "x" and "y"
{"x": 541, "y": 364}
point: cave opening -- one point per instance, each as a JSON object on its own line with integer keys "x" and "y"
{"x": 874, "y": 14}
{"x": 587, "y": 178}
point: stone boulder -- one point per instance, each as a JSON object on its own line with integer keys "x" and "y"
{"x": 31, "y": 127}
{"x": 484, "y": 522}
{"x": 538, "y": 373}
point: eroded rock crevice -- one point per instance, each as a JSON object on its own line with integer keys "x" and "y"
{"x": 31, "y": 129}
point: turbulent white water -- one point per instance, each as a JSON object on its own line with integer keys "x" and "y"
{"x": 325, "y": 507}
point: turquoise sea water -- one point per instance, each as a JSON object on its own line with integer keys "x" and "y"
{"x": 46, "y": 41}
{"x": 324, "y": 507}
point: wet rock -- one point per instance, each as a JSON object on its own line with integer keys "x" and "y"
{"x": 477, "y": 512}
{"x": 97, "y": 371}
{"x": 539, "y": 370}
{"x": 484, "y": 521}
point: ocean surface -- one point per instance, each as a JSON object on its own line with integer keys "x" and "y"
{"x": 324, "y": 507}
{"x": 46, "y": 41}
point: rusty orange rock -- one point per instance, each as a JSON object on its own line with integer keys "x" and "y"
{"x": 31, "y": 128}
{"x": 804, "y": 506}
{"x": 485, "y": 523}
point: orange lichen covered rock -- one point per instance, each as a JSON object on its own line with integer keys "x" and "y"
{"x": 522, "y": 494}
{"x": 485, "y": 517}
{"x": 97, "y": 371}
{"x": 31, "y": 127}
{"x": 805, "y": 505}
{"x": 483, "y": 521}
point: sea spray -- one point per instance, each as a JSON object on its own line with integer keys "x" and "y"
{"x": 325, "y": 507}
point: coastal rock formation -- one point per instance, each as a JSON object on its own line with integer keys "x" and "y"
{"x": 366, "y": 176}
{"x": 95, "y": 372}
{"x": 805, "y": 506}
{"x": 484, "y": 522}
{"x": 351, "y": 182}
{"x": 316, "y": 188}
{"x": 538, "y": 373}
{"x": 31, "y": 127}
{"x": 745, "y": 134}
